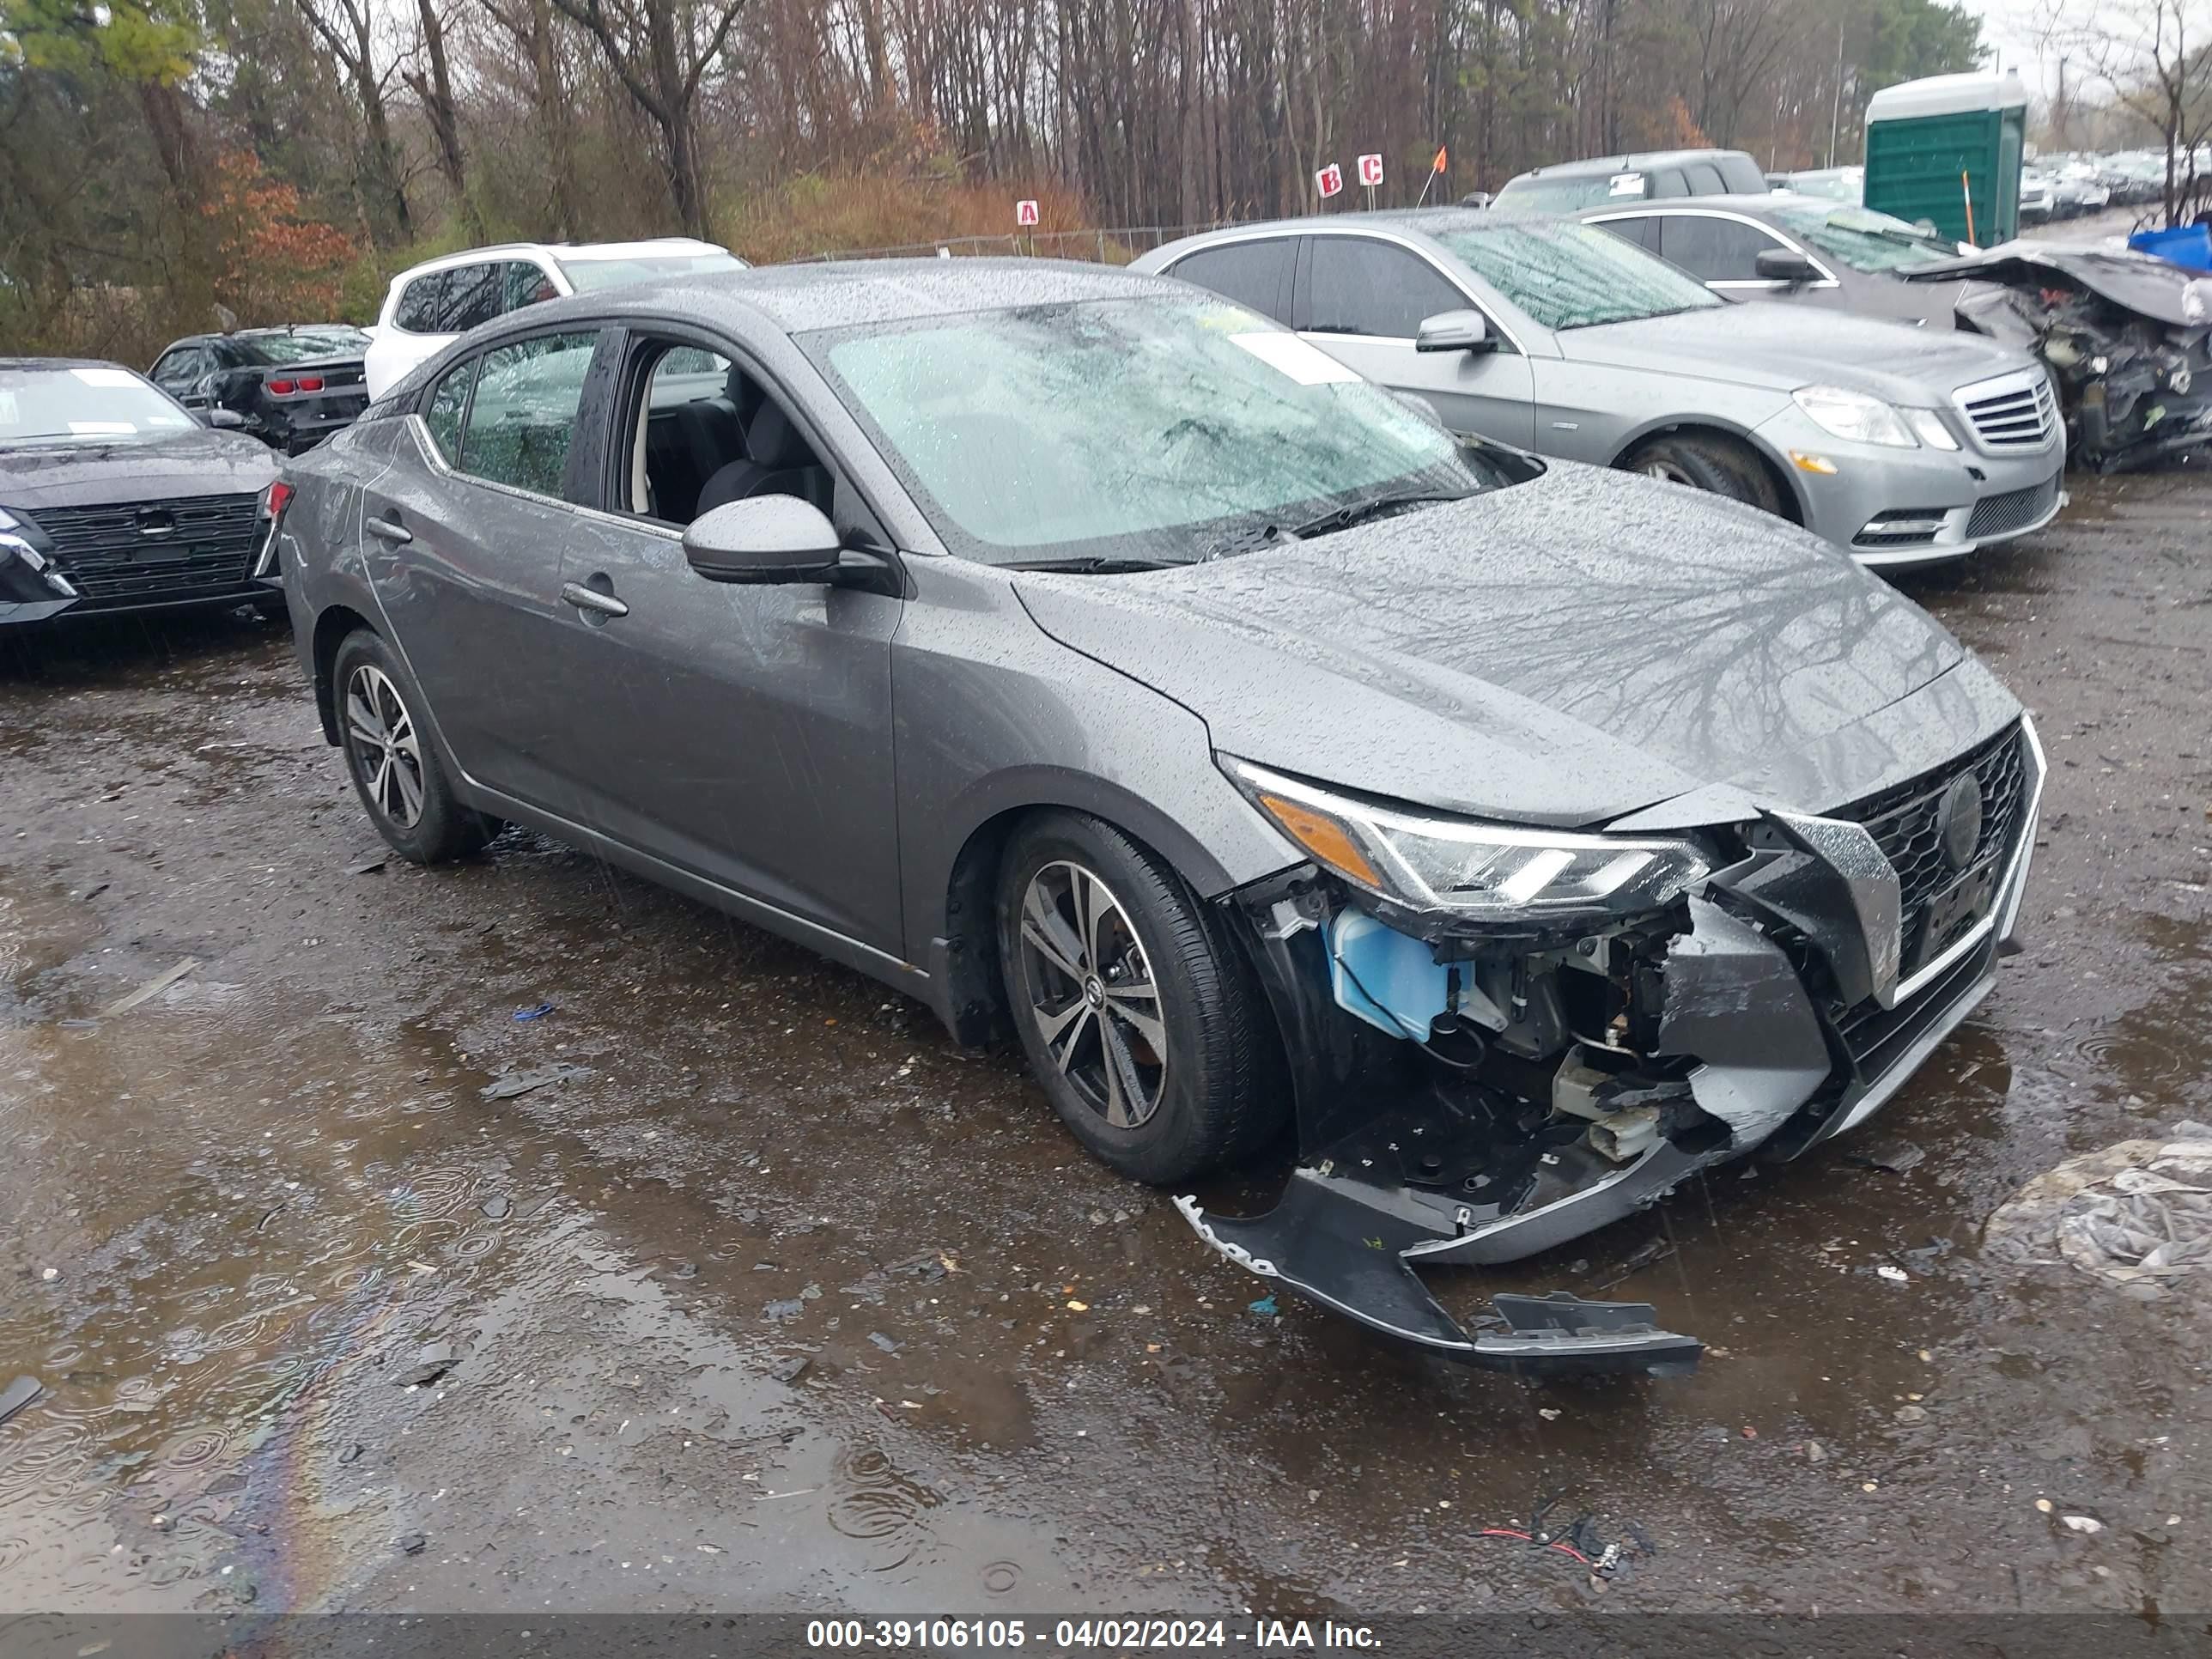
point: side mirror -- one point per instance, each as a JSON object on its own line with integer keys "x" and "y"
{"x": 221, "y": 420}
{"x": 1781, "y": 264}
{"x": 1454, "y": 330}
{"x": 767, "y": 538}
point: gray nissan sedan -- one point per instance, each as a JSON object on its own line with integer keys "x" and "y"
{"x": 1105, "y": 666}
{"x": 1905, "y": 449}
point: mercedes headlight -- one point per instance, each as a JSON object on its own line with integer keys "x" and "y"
{"x": 1843, "y": 413}
{"x": 1483, "y": 871}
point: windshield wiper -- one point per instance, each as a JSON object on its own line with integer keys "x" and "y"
{"x": 1099, "y": 565}
{"x": 1343, "y": 518}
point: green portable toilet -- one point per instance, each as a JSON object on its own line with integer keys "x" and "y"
{"x": 1932, "y": 145}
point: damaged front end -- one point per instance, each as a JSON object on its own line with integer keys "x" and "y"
{"x": 1504, "y": 1038}
{"x": 2127, "y": 339}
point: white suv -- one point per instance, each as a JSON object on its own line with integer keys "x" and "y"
{"x": 435, "y": 302}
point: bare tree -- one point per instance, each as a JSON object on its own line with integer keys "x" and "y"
{"x": 348, "y": 27}
{"x": 2154, "y": 59}
{"x": 432, "y": 86}
{"x": 660, "y": 50}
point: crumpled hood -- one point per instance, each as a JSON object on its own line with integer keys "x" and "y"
{"x": 1558, "y": 651}
{"x": 194, "y": 461}
{"x": 1765, "y": 343}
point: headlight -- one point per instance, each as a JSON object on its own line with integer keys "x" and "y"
{"x": 1928, "y": 426}
{"x": 1853, "y": 415}
{"x": 1485, "y": 871}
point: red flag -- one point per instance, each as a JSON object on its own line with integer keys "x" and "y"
{"x": 1438, "y": 166}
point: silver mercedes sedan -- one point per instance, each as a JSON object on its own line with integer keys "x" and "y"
{"x": 1902, "y": 448}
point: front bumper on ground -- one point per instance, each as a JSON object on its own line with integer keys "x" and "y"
{"x": 1392, "y": 1182}
{"x": 1894, "y": 508}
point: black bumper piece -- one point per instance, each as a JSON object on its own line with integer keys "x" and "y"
{"x": 1324, "y": 1242}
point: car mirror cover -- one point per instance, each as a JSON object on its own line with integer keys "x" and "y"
{"x": 763, "y": 539}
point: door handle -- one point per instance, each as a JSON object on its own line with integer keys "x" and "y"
{"x": 590, "y": 598}
{"x": 386, "y": 530}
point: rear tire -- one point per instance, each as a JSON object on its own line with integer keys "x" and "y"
{"x": 394, "y": 768}
{"x": 1721, "y": 465}
{"x": 1140, "y": 1019}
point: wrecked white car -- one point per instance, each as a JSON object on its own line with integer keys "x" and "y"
{"x": 1101, "y": 663}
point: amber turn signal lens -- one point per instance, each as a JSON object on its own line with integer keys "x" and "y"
{"x": 1323, "y": 837}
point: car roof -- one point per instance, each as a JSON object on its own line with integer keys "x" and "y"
{"x": 1634, "y": 161}
{"x": 661, "y": 246}
{"x": 1756, "y": 204}
{"x": 839, "y": 294}
{"x": 16, "y": 365}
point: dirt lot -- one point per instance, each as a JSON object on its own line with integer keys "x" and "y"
{"x": 248, "y": 1210}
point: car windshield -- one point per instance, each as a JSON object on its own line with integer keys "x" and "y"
{"x": 1863, "y": 239}
{"x": 299, "y": 345}
{"x": 96, "y": 403}
{"x": 1141, "y": 430}
{"x": 1835, "y": 184}
{"x": 1575, "y": 275}
{"x": 585, "y": 275}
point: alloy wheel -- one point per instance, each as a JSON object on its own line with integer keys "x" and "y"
{"x": 386, "y": 753}
{"x": 1091, "y": 995}
{"x": 1667, "y": 472}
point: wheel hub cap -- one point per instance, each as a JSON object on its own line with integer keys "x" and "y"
{"x": 387, "y": 758}
{"x": 1090, "y": 992}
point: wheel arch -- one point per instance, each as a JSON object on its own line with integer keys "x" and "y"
{"x": 1786, "y": 486}
{"x": 959, "y": 922}
{"x": 331, "y": 627}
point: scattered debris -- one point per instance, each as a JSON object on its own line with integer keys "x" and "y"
{"x": 435, "y": 1360}
{"x": 1911, "y": 1414}
{"x": 19, "y": 1394}
{"x": 784, "y": 1308}
{"x": 2138, "y": 1214}
{"x": 152, "y": 988}
{"x": 92, "y": 892}
{"x": 538, "y": 1013}
{"x": 1816, "y": 1452}
{"x": 368, "y": 866}
{"x": 689, "y": 1270}
{"x": 413, "y": 1543}
{"x": 522, "y": 1083}
{"x": 2087, "y": 1523}
{"x": 2045, "y": 1505}
{"x": 352, "y": 1454}
{"x": 1897, "y": 1275}
{"x": 1265, "y": 1307}
{"x": 1074, "y": 1306}
{"x": 496, "y": 1209}
{"x": 1895, "y": 1158}
{"x": 791, "y": 1370}
{"x": 883, "y": 1342}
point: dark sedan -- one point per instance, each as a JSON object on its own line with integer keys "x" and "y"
{"x": 1100, "y": 663}
{"x": 293, "y": 386}
{"x": 1779, "y": 246}
{"x": 114, "y": 498}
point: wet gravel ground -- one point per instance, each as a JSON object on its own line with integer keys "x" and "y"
{"x": 329, "y": 1316}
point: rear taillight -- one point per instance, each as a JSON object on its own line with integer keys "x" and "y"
{"x": 276, "y": 499}
{"x": 273, "y": 500}
{"x": 285, "y": 387}
{"x": 311, "y": 383}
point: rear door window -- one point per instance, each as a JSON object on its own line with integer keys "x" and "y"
{"x": 527, "y": 399}
{"x": 1251, "y": 273}
{"x": 447, "y": 407}
{"x": 1357, "y": 285}
{"x": 1703, "y": 179}
{"x": 1642, "y": 230}
{"x": 1668, "y": 181}
{"x": 522, "y": 283}
{"x": 1714, "y": 250}
{"x": 420, "y": 302}
{"x": 472, "y": 297}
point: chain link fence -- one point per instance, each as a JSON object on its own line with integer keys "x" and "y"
{"x": 1117, "y": 246}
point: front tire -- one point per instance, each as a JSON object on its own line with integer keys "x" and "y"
{"x": 1138, "y": 1015}
{"x": 1720, "y": 465}
{"x": 395, "y": 770}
